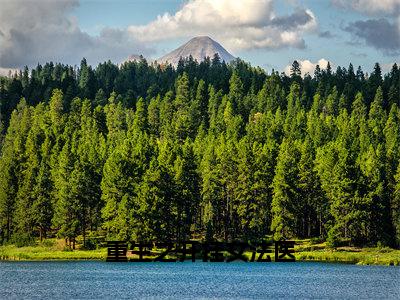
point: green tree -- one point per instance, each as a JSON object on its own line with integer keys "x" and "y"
{"x": 122, "y": 173}
{"x": 252, "y": 190}
{"x": 187, "y": 190}
{"x": 65, "y": 207}
{"x": 157, "y": 211}
{"x": 29, "y": 172}
{"x": 182, "y": 121}
{"x": 87, "y": 81}
{"x": 285, "y": 191}
{"x": 395, "y": 209}
{"x": 314, "y": 210}
{"x": 10, "y": 162}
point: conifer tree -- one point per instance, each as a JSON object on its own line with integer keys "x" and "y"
{"x": 236, "y": 94}
{"x": 30, "y": 169}
{"x": 65, "y": 212}
{"x": 11, "y": 161}
{"x": 157, "y": 205}
{"x": 153, "y": 116}
{"x": 314, "y": 209}
{"x": 183, "y": 123}
{"x": 187, "y": 190}
{"x": 42, "y": 208}
{"x": 395, "y": 209}
{"x": 87, "y": 82}
{"x": 285, "y": 192}
{"x": 252, "y": 191}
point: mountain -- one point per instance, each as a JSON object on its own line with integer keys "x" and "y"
{"x": 199, "y": 47}
{"x": 138, "y": 58}
{"x": 135, "y": 57}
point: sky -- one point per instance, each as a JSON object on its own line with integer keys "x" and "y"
{"x": 266, "y": 33}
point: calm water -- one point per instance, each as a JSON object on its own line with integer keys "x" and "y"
{"x": 89, "y": 280}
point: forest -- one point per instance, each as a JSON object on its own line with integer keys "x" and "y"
{"x": 206, "y": 150}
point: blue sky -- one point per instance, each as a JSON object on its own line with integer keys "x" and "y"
{"x": 267, "y": 33}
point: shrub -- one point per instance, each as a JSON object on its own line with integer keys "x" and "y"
{"x": 67, "y": 249}
{"x": 22, "y": 240}
{"x": 48, "y": 243}
{"x": 332, "y": 240}
{"x": 90, "y": 244}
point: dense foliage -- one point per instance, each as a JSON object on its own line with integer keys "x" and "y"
{"x": 205, "y": 150}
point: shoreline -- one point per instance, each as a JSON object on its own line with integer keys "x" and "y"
{"x": 327, "y": 261}
{"x": 367, "y": 256}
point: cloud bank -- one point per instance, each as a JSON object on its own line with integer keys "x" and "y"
{"x": 240, "y": 25}
{"x": 34, "y": 32}
{"x": 308, "y": 66}
{"x": 378, "y": 33}
{"x": 382, "y": 32}
{"x": 371, "y": 7}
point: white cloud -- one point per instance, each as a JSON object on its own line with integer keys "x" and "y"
{"x": 39, "y": 31}
{"x": 308, "y": 67}
{"x": 387, "y": 67}
{"x": 245, "y": 24}
{"x": 371, "y": 7}
{"x": 6, "y": 71}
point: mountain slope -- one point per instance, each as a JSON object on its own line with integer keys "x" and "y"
{"x": 199, "y": 47}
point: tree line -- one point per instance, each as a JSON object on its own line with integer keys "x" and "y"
{"x": 205, "y": 150}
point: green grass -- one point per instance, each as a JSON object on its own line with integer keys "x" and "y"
{"x": 49, "y": 250}
{"x": 305, "y": 251}
{"x": 361, "y": 258}
{"x": 53, "y": 249}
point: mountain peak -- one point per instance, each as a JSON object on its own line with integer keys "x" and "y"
{"x": 203, "y": 38}
{"x": 198, "y": 47}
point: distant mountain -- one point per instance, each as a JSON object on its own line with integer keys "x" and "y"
{"x": 199, "y": 47}
{"x": 135, "y": 57}
{"x": 138, "y": 58}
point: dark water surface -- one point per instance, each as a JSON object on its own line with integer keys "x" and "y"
{"x": 93, "y": 280}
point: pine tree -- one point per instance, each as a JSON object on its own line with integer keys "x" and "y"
{"x": 56, "y": 108}
{"x": 377, "y": 118}
{"x": 100, "y": 98}
{"x": 91, "y": 152}
{"x": 87, "y": 82}
{"x": 395, "y": 209}
{"x": 30, "y": 168}
{"x": 140, "y": 121}
{"x": 332, "y": 103}
{"x": 157, "y": 205}
{"x": 1, "y": 130}
{"x": 295, "y": 71}
{"x": 314, "y": 210}
{"x": 65, "y": 212}
{"x": 153, "y": 116}
{"x": 10, "y": 162}
{"x": 252, "y": 191}
{"x": 42, "y": 208}
{"x": 236, "y": 94}
{"x": 122, "y": 173}
{"x": 187, "y": 190}
{"x": 182, "y": 121}
{"x": 285, "y": 192}
{"x": 271, "y": 96}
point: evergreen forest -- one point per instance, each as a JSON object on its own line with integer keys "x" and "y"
{"x": 205, "y": 150}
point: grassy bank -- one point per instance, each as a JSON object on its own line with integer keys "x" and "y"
{"x": 305, "y": 251}
{"x": 49, "y": 250}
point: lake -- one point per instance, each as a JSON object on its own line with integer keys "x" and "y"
{"x": 94, "y": 279}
